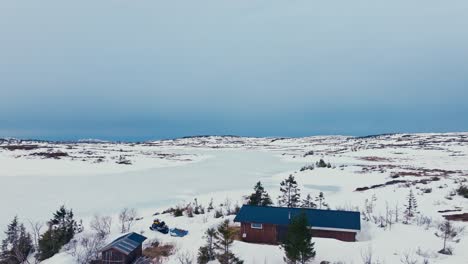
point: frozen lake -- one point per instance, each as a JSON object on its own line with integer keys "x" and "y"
{"x": 37, "y": 196}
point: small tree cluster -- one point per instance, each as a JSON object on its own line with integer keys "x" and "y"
{"x": 463, "y": 191}
{"x": 290, "y": 196}
{"x": 17, "y": 245}
{"x": 218, "y": 213}
{"x": 224, "y": 239}
{"x": 259, "y": 197}
{"x": 62, "y": 228}
{"x": 308, "y": 167}
{"x": 308, "y": 202}
{"x": 218, "y": 245}
{"x": 320, "y": 199}
{"x": 198, "y": 208}
{"x": 207, "y": 253}
{"x": 322, "y": 164}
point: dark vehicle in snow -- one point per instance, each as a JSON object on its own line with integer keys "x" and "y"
{"x": 160, "y": 226}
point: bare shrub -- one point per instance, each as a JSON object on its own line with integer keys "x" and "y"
{"x": 408, "y": 258}
{"x": 367, "y": 257}
{"x": 185, "y": 257}
{"x": 127, "y": 217}
{"x": 101, "y": 225}
{"x": 36, "y": 231}
{"x": 86, "y": 249}
{"x": 189, "y": 209}
{"x": 227, "y": 206}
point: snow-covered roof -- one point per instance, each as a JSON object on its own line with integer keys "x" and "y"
{"x": 320, "y": 219}
{"x": 126, "y": 243}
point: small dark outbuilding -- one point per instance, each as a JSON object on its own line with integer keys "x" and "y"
{"x": 269, "y": 225}
{"x": 126, "y": 249}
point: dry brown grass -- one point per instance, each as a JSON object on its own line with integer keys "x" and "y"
{"x": 158, "y": 251}
{"x": 457, "y": 217}
{"x": 237, "y": 232}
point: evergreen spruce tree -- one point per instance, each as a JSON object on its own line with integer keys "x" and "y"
{"x": 260, "y": 197}
{"x": 17, "y": 245}
{"x": 321, "y": 164}
{"x": 266, "y": 200}
{"x": 290, "y": 196}
{"x": 411, "y": 206}
{"x": 308, "y": 202}
{"x": 321, "y": 200}
{"x": 206, "y": 253}
{"x": 223, "y": 240}
{"x": 298, "y": 245}
{"x": 62, "y": 228}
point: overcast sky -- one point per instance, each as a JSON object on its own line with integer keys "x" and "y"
{"x": 148, "y": 69}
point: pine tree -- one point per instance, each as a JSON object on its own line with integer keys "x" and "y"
{"x": 321, "y": 164}
{"x": 411, "y": 206}
{"x": 17, "y": 245}
{"x": 308, "y": 202}
{"x": 290, "y": 196}
{"x": 298, "y": 245}
{"x": 206, "y": 253}
{"x": 62, "y": 228}
{"x": 223, "y": 240}
{"x": 447, "y": 232}
{"x": 260, "y": 197}
{"x": 321, "y": 200}
{"x": 210, "y": 206}
{"x": 266, "y": 200}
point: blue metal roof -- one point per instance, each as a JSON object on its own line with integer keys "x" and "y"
{"x": 126, "y": 243}
{"x": 316, "y": 217}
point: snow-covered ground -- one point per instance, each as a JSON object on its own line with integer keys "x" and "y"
{"x": 168, "y": 173}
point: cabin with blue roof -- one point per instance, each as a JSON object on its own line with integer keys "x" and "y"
{"x": 269, "y": 225}
{"x": 126, "y": 249}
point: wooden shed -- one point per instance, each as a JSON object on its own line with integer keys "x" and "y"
{"x": 126, "y": 249}
{"x": 269, "y": 225}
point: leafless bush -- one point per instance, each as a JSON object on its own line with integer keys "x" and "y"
{"x": 426, "y": 255}
{"x": 101, "y": 225}
{"x": 36, "y": 230}
{"x": 367, "y": 257}
{"x": 189, "y": 209}
{"x": 424, "y": 221}
{"x": 227, "y": 206}
{"x": 86, "y": 249}
{"x": 185, "y": 257}
{"x": 408, "y": 258}
{"x": 127, "y": 217}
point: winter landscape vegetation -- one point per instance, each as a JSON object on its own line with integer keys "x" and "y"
{"x": 406, "y": 187}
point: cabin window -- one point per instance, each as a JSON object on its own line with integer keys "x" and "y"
{"x": 256, "y": 226}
